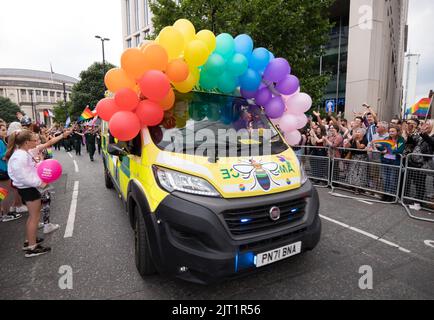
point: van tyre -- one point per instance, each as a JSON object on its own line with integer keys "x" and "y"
{"x": 144, "y": 263}
{"x": 108, "y": 180}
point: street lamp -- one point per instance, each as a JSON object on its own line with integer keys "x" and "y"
{"x": 103, "y": 54}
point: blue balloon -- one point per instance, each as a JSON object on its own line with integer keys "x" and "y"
{"x": 244, "y": 44}
{"x": 250, "y": 81}
{"x": 259, "y": 59}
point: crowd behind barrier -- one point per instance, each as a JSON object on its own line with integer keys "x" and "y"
{"x": 368, "y": 175}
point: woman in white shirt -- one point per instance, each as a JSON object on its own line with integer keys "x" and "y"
{"x": 23, "y": 173}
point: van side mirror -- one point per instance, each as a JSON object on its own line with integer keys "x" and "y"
{"x": 115, "y": 150}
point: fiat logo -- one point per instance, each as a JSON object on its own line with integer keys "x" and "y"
{"x": 275, "y": 213}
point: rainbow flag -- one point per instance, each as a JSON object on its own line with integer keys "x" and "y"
{"x": 388, "y": 145}
{"x": 421, "y": 108}
{"x": 86, "y": 115}
{"x": 3, "y": 194}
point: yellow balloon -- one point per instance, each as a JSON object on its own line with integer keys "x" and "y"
{"x": 172, "y": 40}
{"x": 188, "y": 85}
{"x": 196, "y": 53}
{"x": 208, "y": 37}
{"x": 186, "y": 28}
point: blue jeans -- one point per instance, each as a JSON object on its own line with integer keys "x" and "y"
{"x": 391, "y": 175}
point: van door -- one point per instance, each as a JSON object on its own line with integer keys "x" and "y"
{"x": 124, "y": 166}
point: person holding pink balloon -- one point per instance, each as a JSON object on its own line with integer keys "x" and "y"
{"x": 22, "y": 169}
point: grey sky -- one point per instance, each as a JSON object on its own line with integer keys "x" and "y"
{"x": 34, "y": 33}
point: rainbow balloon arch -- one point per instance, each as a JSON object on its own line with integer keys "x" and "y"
{"x": 184, "y": 60}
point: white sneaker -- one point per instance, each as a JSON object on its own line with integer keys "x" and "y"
{"x": 50, "y": 227}
{"x": 41, "y": 225}
{"x": 416, "y": 207}
{"x": 21, "y": 209}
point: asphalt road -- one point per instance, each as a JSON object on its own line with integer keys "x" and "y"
{"x": 100, "y": 253}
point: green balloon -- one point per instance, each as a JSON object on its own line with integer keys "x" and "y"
{"x": 238, "y": 64}
{"x": 215, "y": 65}
{"x": 227, "y": 83}
{"x": 225, "y": 45}
{"x": 207, "y": 81}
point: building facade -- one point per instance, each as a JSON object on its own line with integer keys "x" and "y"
{"x": 136, "y": 22}
{"x": 365, "y": 55}
{"x": 411, "y": 66}
{"x": 35, "y": 92}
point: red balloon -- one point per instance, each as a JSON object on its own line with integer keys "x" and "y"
{"x": 126, "y": 99}
{"x": 106, "y": 108}
{"x": 124, "y": 125}
{"x": 150, "y": 113}
{"x": 154, "y": 85}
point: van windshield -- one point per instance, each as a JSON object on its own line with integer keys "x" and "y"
{"x": 208, "y": 124}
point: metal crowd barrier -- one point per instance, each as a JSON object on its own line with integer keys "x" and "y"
{"x": 316, "y": 162}
{"x": 365, "y": 172}
{"x": 419, "y": 183}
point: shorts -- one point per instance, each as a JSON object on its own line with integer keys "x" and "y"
{"x": 29, "y": 194}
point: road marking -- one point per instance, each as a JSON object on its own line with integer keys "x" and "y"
{"x": 69, "y": 154}
{"x": 366, "y": 234}
{"x": 363, "y": 201}
{"x": 76, "y": 166}
{"x": 429, "y": 243}
{"x": 72, "y": 210}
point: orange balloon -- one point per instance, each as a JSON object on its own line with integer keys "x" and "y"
{"x": 116, "y": 79}
{"x": 177, "y": 70}
{"x": 156, "y": 57}
{"x": 144, "y": 44}
{"x": 133, "y": 61}
{"x": 169, "y": 101}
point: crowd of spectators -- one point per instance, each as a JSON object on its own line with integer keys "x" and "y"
{"x": 364, "y": 139}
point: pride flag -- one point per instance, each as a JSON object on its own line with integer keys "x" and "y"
{"x": 3, "y": 194}
{"x": 87, "y": 114}
{"x": 388, "y": 145}
{"x": 420, "y": 109}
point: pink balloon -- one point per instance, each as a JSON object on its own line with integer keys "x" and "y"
{"x": 301, "y": 121}
{"x": 293, "y": 138}
{"x": 288, "y": 123}
{"x": 49, "y": 170}
{"x": 301, "y": 102}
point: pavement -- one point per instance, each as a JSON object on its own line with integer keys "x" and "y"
{"x": 100, "y": 253}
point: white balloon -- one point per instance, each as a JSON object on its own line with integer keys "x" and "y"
{"x": 299, "y": 103}
{"x": 301, "y": 121}
{"x": 288, "y": 123}
{"x": 293, "y": 138}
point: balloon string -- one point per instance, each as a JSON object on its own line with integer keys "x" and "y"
{"x": 270, "y": 86}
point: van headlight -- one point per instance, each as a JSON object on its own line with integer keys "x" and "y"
{"x": 303, "y": 174}
{"x": 171, "y": 181}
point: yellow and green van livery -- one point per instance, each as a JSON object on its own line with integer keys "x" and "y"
{"x": 202, "y": 213}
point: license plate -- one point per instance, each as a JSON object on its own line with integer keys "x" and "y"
{"x": 263, "y": 259}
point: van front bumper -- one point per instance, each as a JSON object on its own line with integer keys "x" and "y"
{"x": 190, "y": 238}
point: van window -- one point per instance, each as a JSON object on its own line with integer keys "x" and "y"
{"x": 203, "y": 122}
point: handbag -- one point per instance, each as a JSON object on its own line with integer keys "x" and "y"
{"x": 4, "y": 175}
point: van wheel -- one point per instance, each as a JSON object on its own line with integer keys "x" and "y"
{"x": 108, "y": 180}
{"x": 144, "y": 263}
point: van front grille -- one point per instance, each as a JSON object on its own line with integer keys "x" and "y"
{"x": 257, "y": 219}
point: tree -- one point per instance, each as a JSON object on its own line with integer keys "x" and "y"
{"x": 89, "y": 90}
{"x": 293, "y": 29}
{"x": 60, "y": 112}
{"x": 8, "y": 110}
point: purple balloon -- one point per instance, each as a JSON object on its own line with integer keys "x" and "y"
{"x": 263, "y": 97}
{"x": 288, "y": 85}
{"x": 275, "y": 108}
{"x": 277, "y": 70}
{"x": 248, "y": 94}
